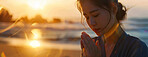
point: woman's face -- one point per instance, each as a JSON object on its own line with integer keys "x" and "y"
{"x": 97, "y": 18}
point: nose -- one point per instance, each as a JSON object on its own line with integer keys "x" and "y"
{"x": 92, "y": 21}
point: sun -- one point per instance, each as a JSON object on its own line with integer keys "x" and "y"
{"x": 37, "y": 4}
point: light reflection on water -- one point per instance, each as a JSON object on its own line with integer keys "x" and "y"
{"x": 36, "y": 33}
{"x": 34, "y": 43}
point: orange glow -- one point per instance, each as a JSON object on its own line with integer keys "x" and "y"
{"x": 34, "y": 24}
{"x": 37, "y": 4}
{"x": 1, "y": 8}
{"x": 36, "y": 33}
{"x": 3, "y": 54}
{"x": 34, "y": 43}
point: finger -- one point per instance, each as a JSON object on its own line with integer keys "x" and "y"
{"x": 84, "y": 52}
{"x": 88, "y": 42}
{"x": 92, "y": 45}
{"x": 100, "y": 43}
{"x": 82, "y": 46}
{"x": 84, "y": 42}
{"x": 102, "y": 46}
{"x": 90, "y": 52}
{"x": 89, "y": 48}
{"x": 92, "y": 48}
{"x": 84, "y": 38}
{"x": 81, "y": 36}
{"x": 85, "y": 47}
{"x": 88, "y": 39}
{"x": 93, "y": 40}
{"x": 84, "y": 33}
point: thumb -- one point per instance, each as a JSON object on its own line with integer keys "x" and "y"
{"x": 98, "y": 44}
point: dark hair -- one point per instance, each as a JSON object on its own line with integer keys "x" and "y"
{"x": 121, "y": 13}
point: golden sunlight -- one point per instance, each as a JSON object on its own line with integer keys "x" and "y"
{"x": 34, "y": 24}
{"x": 36, "y": 33}
{"x": 1, "y": 7}
{"x": 34, "y": 43}
{"x": 3, "y": 54}
{"x": 37, "y": 4}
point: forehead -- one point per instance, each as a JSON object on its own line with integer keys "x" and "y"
{"x": 88, "y": 6}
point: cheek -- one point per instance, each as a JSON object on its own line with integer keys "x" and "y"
{"x": 103, "y": 20}
{"x": 88, "y": 23}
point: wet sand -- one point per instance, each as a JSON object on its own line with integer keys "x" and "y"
{"x": 24, "y": 51}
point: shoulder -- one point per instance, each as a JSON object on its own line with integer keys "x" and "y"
{"x": 136, "y": 41}
{"x": 136, "y": 46}
{"x": 131, "y": 43}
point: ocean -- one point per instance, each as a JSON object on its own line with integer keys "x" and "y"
{"x": 67, "y": 32}
{"x": 56, "y": 39}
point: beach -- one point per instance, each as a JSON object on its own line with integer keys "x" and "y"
{"x": 21, "y": 51}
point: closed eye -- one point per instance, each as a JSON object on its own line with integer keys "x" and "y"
{"x": 96, "y": 15}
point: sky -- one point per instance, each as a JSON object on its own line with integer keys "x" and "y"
{"x": 65, "y": 9}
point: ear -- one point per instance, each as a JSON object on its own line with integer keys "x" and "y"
{"x": 114, "y": 8}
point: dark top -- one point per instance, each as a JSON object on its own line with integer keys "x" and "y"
{"x": 129, "y": 46}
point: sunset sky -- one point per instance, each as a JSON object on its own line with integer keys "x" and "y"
{"x": 65, "y": 9}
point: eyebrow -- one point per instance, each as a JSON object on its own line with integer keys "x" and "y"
{"x": 92, "y": 11}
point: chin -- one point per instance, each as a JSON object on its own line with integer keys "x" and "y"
{"x": 98, "y": 33}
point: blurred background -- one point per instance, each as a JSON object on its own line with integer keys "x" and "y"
{"x": 52, "y": 28}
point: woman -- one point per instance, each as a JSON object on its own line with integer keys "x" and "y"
{"x": 103, "y": 17}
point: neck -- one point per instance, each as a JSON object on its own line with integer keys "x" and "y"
{"x": 113, "y": 34}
